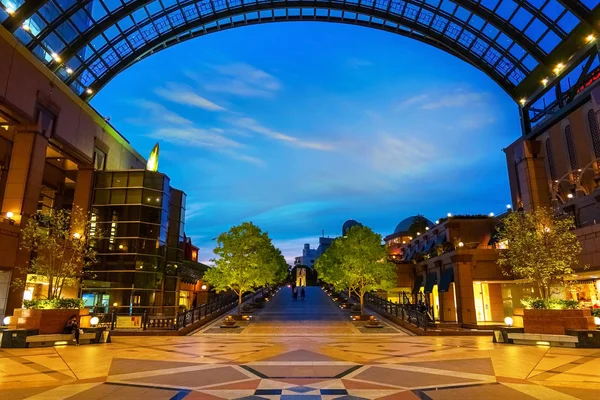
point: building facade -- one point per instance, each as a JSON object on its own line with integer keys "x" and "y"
{"x": 57, "y": 152}
{"x": 558, "y": 166}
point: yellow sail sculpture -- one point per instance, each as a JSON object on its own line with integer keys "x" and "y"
{"x": 152, "y": 164}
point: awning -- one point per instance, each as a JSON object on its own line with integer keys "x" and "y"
{"x": 445, "y": 280}
{"x": 418, "y": 284}
{"x": 430, "y": 281}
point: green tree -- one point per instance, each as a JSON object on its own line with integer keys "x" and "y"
{"x": 357, "y": 262}
{"x": 60, "y": 249}
{"x": 418, "y": 225}
{"x": 246, "y": 260}
{"x": 541, "y": 248}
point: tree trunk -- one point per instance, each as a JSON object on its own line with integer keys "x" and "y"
{"x": 362, "y": 303}
{"x": 240, "y": 302}
{"x": 540, "y": 291}
{"x": 50, "y": 288}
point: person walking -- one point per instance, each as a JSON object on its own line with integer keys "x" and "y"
{"x": 302, "y": 293}
{"x": 295, "y": 293}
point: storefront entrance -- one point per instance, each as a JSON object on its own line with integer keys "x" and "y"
{"x": 481, "y": 291}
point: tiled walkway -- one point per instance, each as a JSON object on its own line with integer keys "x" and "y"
{"x": 304, "y": 365}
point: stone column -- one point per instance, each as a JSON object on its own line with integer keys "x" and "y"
{"x": 82, "y": 199}
{"x": 463, "y": 280}
{"x": 23, "y": 185}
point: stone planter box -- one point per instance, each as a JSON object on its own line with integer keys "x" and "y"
{"x": 47, "y": 321}
{"x": 557, "y": 322}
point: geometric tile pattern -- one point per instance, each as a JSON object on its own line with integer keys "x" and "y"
{"x": 319, "y": 366}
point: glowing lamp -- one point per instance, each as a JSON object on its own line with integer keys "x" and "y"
{"x": 508, "y": 321}
{"x": 590, "y": 38}
{"x": 426, "y": 228}
{"x": 69, "y": 71}
{"x": 56, "y": 57}
{"x": 26, "y": 26}
{"x": 523, "y": 101}
{"x": 461, "y": 244}
{"x": 10, "y": 215}
{"x": 6, "y": 320}
{"x": 121, "y": 247}
{"x": 437, "y": 221}
{"x": 596, "y": 320}
{"x": 204, "y": 287}
{"x": 115, "y": 304}
{"x": 89, "y": 91}
{"x": 508, "y": 206}
{"x": 449, "y": 215}
{"x": 491, "y": 214}
{"x": 77, "y": 235}
{"x": 545, "y": 81}
{"x": 418, "y": 233}
{"x": 94, "y": 321}
{"x": 10, "y": 10}
{"x": 570, "y": 195}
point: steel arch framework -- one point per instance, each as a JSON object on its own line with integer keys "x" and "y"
{"x": 88, "y": 42}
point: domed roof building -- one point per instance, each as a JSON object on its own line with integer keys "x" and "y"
{"x": 405, "y": 224}
{"x": 349, "y": 224}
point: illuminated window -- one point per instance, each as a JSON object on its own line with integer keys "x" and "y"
{"x": 594, "y": 132}
{"x": 550, "y": 159}
{"x": 99, "y": 159}
{"x": 571, "y": 148}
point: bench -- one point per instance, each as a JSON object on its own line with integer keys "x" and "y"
{"x": 60, "y": 339}
{"x": 543, "y": 339}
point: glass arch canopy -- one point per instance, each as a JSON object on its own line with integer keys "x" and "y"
{"x": 88, "y": 42}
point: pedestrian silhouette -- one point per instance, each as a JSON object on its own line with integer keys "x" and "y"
{"x": 302, "y": 293}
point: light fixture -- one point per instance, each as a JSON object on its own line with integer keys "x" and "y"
{"x": 596, "y": 320}
{"x": 121, "y": 247}
{"x": 115, "y": 304}
{"x": 491, "y": 214}
{"x": 508, "y": 321}
{"x": 523, "y": 101}
{"x": 437, "y": 221}
{"x": 508, "y": 206}
{"x": 25, "y": 26}
{"x": 426, "y": 228}
{"x": 10, "y": 215}
{"x": 545, "y": 81}
{"x": 69, "y": 70}
{"x": 404, "y": 242}
{"x": 10, "y": 10}
{"x": 56, "y": 57}
{"x": 204, "y": 287}
{"x": 590, "y": 38}
{"x": 94, "y": 321}
{"x": 77, "y": 235}
{"x": 542, "y": 343}
{"x": 410, "y": 238}
{"x": 570, "y": 195}
{"x": 461, "y": 244}
{"x": 559, "y": 67}
{"x": 6, "y": 321}
{"x": 418, "y": 233}
{"x": 449, "y": 215}
{"x": 546, "y": 229}
{"x": 89, "y": 91}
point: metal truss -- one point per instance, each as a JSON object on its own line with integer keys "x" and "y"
{"x": 88, "y": 42}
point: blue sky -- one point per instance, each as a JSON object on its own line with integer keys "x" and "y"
{"x": 300, "y": 126}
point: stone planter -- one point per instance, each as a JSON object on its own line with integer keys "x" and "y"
{"x": 557, "y": 322}
{"x": 47, "y": 321}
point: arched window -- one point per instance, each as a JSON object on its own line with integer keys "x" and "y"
{"x": 550, "y": 158}
{"x": 571, "y": 148}
{"x": 594, "y": 132}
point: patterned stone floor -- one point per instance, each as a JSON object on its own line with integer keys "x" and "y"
{"x": 320, "y": 365}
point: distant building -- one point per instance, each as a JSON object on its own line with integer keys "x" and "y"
{"x": 308, "y": 256}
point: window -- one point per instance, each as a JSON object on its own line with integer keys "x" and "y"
{"x": 99, "y": 159}
{"x": 571, "y": 148}
{"x": 550, "y": 158}
{"x": 594, "y": 132}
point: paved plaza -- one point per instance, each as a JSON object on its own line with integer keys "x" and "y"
{"x": 300, "y": 350}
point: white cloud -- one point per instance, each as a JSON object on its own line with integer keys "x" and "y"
{"x": 241, "y": 80}
{"x": 254, "y": 126}
{"x": 186, "y": 96}
{"x": 438, "y": 99}
{"x": 159, "y": 113}
{"x": 359, "y": 62}
{"x": 194, "y": 137}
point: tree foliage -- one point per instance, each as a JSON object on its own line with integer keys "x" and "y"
{"x": 60, "y": 250}
{"x": 246, "y": 260}
{"x": 357, "y": 262}
{"x": 541, "y": 248}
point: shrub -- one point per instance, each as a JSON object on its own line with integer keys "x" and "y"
{"x": 596, "y": 312}
{"x": 45, "y": 304}
{"x": 537, "y": 303}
